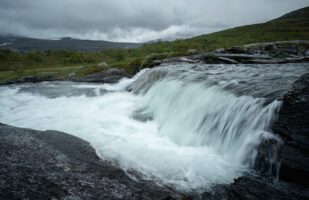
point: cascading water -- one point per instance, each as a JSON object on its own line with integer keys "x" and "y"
{"x": 186, "y": 126}
{"x": 198, "y": 116}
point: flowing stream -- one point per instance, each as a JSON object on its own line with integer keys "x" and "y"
{"x": 183, "y": 125}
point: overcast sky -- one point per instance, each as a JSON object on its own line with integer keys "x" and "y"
{"x": 134, "y": 20}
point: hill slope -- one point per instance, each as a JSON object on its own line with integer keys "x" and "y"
{"x": 292, "y": 26}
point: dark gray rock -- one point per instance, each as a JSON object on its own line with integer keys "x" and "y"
{"x": 260, "y": 53}
{"x": 234, "y": 50}
{"x": 31, "y": 79}
{"x": 55, "y": 165}
{"x": 293, "y": 127}
{"x": 279, "y": 60}
{"x": 242, "y": 58}
{"x": 228, "y": 60}
{"x": 254, "y": 188}
{"x": 143, "y": 83}
{"x": 267, "y": 162}
{"x": 111, "y": 75}
{"x": 154, "y": 63}
{"x": 183, "y": 59}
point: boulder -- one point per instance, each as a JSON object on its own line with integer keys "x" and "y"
{"x": 154, "y": 63}
{"x": 110, "y": 75}
{"x": 293, "y": 127}
{"x": 254, "y": 188}
{"x": 233, "y": 50}
{"x": 31, "y": 79}
{"x": 144, "y": 82}
{"x": 55, "y": 165}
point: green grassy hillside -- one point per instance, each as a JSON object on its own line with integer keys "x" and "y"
{"x": 13, "y": 65}
{"x": 292, "y": 26}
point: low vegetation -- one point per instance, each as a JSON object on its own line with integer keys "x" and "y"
{"x": 60, "y": 64}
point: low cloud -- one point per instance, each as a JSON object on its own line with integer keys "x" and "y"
{"x": 134, "y": 20}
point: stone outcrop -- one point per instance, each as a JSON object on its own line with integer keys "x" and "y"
{"x": 55, "y": 165}
{"x": 111, "y": 75}
{"x": 256, "y": 188}
{"x": 293, "y": 127}
{"x": 280, "y": 52}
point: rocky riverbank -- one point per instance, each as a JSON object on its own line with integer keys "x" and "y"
{"x": 260, "y": 53}
{"x": 110, "y": 75}
{"x": 293, "y": 128}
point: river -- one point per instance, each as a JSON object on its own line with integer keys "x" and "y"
{"x": 188, "y": 126}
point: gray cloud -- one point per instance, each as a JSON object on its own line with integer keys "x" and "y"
{"x": 134, "y": 20}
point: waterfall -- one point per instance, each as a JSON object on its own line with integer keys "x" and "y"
{"x": 196, "y": 115}
{"x": 186, "y": 126}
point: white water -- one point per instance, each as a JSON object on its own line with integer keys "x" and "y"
{"x": 184, "y": 134}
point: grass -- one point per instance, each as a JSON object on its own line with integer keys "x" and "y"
{"x": 61, "y": 64}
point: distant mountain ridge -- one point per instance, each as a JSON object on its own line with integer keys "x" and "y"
{"x": 17, "y": 43}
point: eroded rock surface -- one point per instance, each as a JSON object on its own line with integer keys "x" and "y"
{"x": 55, "y": 165}
{"x": 293, "y": 128}
{"x": 111, "y": 75}
{"x": 255, "y": 188}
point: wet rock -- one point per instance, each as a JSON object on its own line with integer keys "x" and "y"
{"x": 279, "y": 60}
{"x": 228, "y": 60}
{"x": 293, "y": 127}
{"x": 260, "y": 53}
{"x": 213, "y": 59}
{"x": 182, "y": 59}
{"x": 154, "y": 63}
{"x": 267, "y": 161}
{"x": 197, "y": 57}
{"x": 31, "y": 79}
{"x": 234, "y": 50}
{"x": 146, "y": 80}
{"x": 55, "y": 165}
{"x": 242, "y": 57}
{"x": 254, "y": 188}
{"x": 111, "y": 75}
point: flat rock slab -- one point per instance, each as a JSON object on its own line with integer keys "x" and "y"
{"x": 55, "y": 165}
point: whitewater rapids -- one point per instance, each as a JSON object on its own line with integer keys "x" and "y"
{"x": 186, "y": 126}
